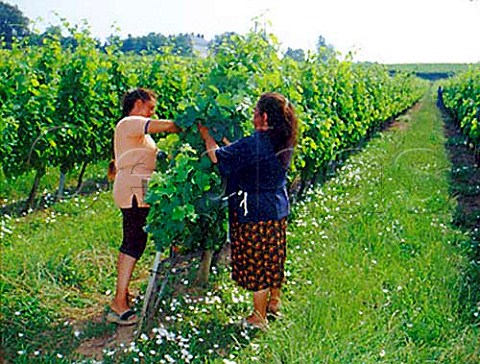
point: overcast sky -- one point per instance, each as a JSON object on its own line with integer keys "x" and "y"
{"x": 384, "y": 31}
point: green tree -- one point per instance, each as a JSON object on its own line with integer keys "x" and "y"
{"x": 219, "y": 39}
{"x": 13, "y": 24}
{"x": 324, "y": 49}
{"x": 149, "y": 43}
{"x": 295, "y": 54}
{"x": 182, "y": 44}
{"x": 54, "y": 32}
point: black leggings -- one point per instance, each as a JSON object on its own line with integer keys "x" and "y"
{"x": 134, "y": 235}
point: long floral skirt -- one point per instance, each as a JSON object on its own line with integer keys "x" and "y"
{"x": 258, "y": 253}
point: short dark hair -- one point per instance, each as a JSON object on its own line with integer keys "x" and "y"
{"x": 130, "y": 97}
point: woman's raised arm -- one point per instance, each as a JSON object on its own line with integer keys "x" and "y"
{"x": 162, "y": 126}
{"x": 210, "y": 143}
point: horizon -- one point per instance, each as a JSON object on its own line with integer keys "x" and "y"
{"x": 366, "y": 30}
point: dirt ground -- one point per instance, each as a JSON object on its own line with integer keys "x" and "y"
{"x": 94, "y": 348}
{"x": 465, "y": 179}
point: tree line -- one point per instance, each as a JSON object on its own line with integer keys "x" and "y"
{"x": 14, "y": 26}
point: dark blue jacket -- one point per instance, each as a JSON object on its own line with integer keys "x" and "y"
{"x": 256, "y": 179}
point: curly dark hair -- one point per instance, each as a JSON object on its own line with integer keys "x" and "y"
{"x": 282, "y": 124}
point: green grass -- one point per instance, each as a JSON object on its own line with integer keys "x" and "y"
{"x": 376, "y": 274}
{"x": 57, "y": 265}
{"x": 377, "y": 267}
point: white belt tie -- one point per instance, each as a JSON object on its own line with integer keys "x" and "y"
{"x": 243, "y": 203}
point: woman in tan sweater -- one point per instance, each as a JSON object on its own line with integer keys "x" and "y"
{"x": 134, "y": 163}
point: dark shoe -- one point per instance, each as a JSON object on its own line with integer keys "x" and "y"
{"x": 126, "y": 318}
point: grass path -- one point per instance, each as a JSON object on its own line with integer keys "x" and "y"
{"x": 376, "y": 274}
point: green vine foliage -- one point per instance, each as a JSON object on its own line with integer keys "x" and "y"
{"x": 29, "y": 89}
{"x": 71, "y": 99}
{"x": 77, "y": 89}
{"x": 337, "y": 103}
{"x": 90, "y": 89}
{"x": 462, "y": 97}
{"x": 190, "y": 191}
{"x": 341, "y": 104}
{"x": 186, "y": 205}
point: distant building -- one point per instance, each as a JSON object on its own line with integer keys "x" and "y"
{"x": 200, "y": 45}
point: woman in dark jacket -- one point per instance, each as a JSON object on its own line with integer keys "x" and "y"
{"x": 256, "y": 171}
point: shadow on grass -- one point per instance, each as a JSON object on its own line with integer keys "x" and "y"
{"x": 465, "y": 188}
{"x": 46, "y": 200}
{"x": 34, "y": 336}
{"x": 208, "y": 340}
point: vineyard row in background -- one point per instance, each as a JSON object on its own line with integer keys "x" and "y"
{"x": 59, "y": 109}
{"x": 461, "y": 97}
{"x": 60, "y": 106}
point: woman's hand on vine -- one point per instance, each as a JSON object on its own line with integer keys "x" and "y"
{"x": 175, "y": 128}
{"x": 203, "y": 131}
{"x": 225, "y": 141}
